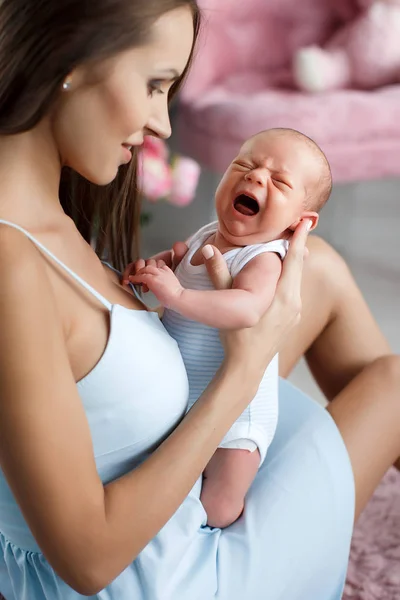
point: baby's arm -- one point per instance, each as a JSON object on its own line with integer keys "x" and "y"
{"x": 242, "y": 306}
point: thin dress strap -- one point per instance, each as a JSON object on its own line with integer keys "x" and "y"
{"x": 81, "y": 281}
{"x": 131, "y": 285}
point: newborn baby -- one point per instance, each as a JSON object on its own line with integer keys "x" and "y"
{"x": 279, "y": 177}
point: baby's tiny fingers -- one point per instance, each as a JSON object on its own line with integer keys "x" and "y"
{"x": 131, "y": 269}
{"x": 148, "y": 270}
{"x": 139, "y": 264}
{"x": 161, "y": 263}
{"x": 140, "y": 279}
{"x": 125, "y": 276}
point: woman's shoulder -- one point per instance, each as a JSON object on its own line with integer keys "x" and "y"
{"x": 22, "y": 268}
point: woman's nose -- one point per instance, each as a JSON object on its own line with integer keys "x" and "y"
{"x": 159, "y": 122}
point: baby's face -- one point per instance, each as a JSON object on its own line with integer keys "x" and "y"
{"x": 263, "y": 192}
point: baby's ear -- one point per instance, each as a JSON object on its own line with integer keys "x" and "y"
{"x": 307, "y": 214}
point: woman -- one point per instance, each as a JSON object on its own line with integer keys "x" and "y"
{"x": 100, "y": 480}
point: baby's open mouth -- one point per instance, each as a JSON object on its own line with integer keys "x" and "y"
{"x": 246, "y": 205}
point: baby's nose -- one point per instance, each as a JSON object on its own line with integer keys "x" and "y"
{"x": 257, "y": 176}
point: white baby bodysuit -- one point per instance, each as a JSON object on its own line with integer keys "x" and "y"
{"x": 203, "y": 353}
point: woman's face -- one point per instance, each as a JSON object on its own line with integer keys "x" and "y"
{"x": 114, "y": 105}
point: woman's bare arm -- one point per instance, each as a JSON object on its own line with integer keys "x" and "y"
{"x": 89, "y": 533}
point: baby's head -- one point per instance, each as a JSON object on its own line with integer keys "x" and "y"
{"x": 279, "y": 177}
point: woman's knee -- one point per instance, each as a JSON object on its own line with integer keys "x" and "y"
{"x": 387, "y": 371}
{"x": 325, "y": 262}
{"x": 333, "y": 283}
{"x": 383, "y": 376}
{"x": 326, "y": 281}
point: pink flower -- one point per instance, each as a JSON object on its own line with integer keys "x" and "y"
{"x": 159, "y": 179}
{"x": 185, "y": 177}
{"x": 155, "y": 179}
{"x": 155, "y": 147}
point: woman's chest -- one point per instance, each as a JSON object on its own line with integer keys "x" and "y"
{"x": 137, "y": 393}
{"x": 85, "y": 320}
{"x": 130, "y": 373}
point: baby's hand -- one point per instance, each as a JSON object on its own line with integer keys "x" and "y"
{"x": 161, "y": 281}
{"x": 171, "y": 258}
{"x": 135, "y": 267}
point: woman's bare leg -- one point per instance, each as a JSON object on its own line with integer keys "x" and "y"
{"x": 347, "y": 354}
{"x": 337, "y": 333}
{"x": 367, "y": 413}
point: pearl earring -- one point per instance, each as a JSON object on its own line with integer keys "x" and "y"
{"x": 66, "y": 86}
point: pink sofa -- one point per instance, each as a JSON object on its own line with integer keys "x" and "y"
{"x": 241, "y": 83}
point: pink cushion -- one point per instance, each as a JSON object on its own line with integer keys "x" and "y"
{"x": 241, "y": 84}
{"x": 254, "y": 37}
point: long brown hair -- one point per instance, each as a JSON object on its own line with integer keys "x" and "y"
{"x": 41, "y": 42}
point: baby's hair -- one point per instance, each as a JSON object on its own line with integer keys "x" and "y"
{"x": 319, "y": 195}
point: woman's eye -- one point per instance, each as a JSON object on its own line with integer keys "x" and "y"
{"x": 155, "y": 87}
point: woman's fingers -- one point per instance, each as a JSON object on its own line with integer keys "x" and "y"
{"x": 292, "y": 268}
{"x": 259, "y": 343}
{"x": 179, "y": 250}
{"x": 288, "y": 292}
{"x": 217, "y": 268}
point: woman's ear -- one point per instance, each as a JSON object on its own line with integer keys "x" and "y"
{"x": 307, "y": 214}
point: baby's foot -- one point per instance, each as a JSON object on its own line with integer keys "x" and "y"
{"x": 222, "y": 509}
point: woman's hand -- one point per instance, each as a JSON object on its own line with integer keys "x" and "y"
{"x": 255, "y": 347}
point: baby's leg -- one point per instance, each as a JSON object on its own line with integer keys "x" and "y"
{"x": 226, "y": 481}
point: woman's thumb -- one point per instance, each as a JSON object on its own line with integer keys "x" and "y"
{"x": 179, "y": 250}
{"x": 216, "y": 267}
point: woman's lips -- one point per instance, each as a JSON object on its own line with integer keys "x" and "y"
{"x": 127, "y": 152}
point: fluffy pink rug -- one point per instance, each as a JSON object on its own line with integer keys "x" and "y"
{"x": 374, "y": 570}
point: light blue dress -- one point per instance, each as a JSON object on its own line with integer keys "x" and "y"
{"x": 292, "y": 543}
